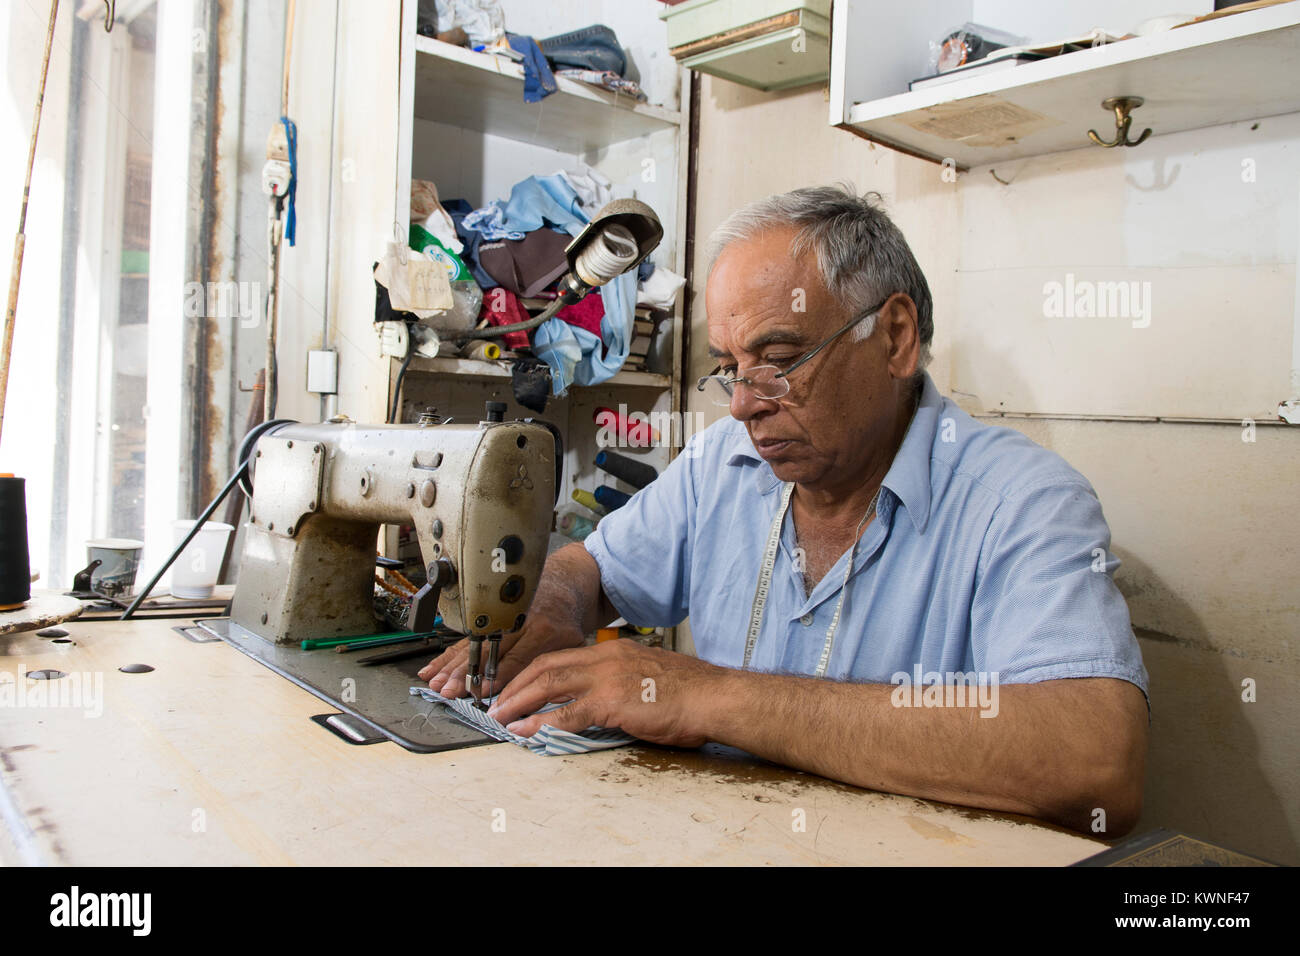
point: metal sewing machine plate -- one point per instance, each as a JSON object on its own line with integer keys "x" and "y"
{"x": 380, "y": 696}
{"x": 288, "y": 475}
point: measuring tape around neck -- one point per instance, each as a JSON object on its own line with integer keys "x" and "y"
{"x": 764, "y": 585}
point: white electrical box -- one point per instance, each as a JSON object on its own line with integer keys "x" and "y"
{"x": 323, "y": 371}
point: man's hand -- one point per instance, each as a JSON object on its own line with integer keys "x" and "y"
{"x": 651, "y": 693}
{"x": 446, "y": 673}
{"x": 569, "y": 603}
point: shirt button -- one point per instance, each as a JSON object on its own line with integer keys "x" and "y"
{"x": 806, "y": 620}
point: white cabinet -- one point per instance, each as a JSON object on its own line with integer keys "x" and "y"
{"x": 1240, "y": 66}
{"x": 474, "y": 136}
{"x": 411, "y": 107}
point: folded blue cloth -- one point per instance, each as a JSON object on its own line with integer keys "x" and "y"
{"x": 491, "y": 222}
{"x": 459, "y": 210}
{"x": 549, "y": 741}
{"x": 539, "y": 81}
{"x": 578, "y": 357}
{"x": 544, "y": 201}
{"x": 534, "y": 202}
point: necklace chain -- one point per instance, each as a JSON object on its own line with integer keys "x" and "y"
{"x": 871, "y": 507}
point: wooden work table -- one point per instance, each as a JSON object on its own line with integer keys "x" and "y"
{"x": 212, "y": 759}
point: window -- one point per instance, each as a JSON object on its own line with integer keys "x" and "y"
{"x": 100, "y": 399}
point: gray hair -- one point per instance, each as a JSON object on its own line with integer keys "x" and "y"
{"x": 861, "y": 254}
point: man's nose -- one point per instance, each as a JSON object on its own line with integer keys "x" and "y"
{"x": 746, "y": 405}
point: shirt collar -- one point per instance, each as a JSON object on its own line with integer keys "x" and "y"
{"x": 908, "y": 478}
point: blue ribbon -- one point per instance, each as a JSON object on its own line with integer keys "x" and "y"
{"x": 291, "y": 134}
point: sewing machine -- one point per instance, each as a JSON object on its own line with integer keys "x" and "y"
{"x": 478, "y": 496}
{"x": 480, "y": 499}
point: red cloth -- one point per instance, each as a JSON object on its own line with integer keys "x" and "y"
{"x": 586, "y": 313}
{"x": 502, "y": 307}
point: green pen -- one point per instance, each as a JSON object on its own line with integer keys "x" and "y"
{"x": 313, "y": 645}
{"x": 398, "y": 638}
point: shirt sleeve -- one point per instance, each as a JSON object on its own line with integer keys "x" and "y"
{"x": 644, "y": 548}
{"x": 1045, "y": 605}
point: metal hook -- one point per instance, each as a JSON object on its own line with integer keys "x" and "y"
{"x": 1123, "y": 107}
{"x": 110, "y": 15}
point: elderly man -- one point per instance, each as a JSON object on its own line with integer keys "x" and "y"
{"x": 846, "y": 532}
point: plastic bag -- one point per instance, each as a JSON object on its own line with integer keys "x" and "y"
{"x": 968, "y": 43}
{"x": 415, "y": 283}
{"x": 483, "y": 21}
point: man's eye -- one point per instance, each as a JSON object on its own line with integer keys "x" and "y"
{"x": 781, "y": 361}
{"x": 728, "y": 370}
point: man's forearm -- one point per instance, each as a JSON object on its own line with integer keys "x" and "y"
{"x": 569, "y": 591}
{"x": 1058, "y": 750}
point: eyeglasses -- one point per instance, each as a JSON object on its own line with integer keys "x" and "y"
{"x": 767, "y": 381}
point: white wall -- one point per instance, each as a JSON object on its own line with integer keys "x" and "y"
{"x": 1204, "y": 222}
{"x": 1056, "y": 19}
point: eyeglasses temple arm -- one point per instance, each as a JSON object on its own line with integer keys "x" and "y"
{"x": 822, "y": 346}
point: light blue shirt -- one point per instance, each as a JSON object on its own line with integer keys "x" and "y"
{"x": 988, "y": 554}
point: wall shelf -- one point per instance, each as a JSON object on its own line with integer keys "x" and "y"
{"x": 1219, "y": 71}
{"x": 485, "y": 93}
{"x": 484, "y": 370}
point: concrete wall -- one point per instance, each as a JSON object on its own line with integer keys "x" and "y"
{"x": 1199, "y": 516}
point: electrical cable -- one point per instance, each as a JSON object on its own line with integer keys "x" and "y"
{"x": 496, "y": 331}
{"x": 274, "y": 236}
{"x": 238, "y": 478}
{"x": 397, "y": 387}
{"x": 288, "y": 56}
{"x": 609, "y": 256}
{"x": 207, "y": 513}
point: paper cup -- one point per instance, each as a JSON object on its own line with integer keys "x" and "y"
{"x": 116, "y": 575}
{"x": 195, "y": 572}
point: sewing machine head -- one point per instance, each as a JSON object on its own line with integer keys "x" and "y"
{"x": 478, "y": 496}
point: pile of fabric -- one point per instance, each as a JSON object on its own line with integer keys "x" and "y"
{"x": 511, "y": 251}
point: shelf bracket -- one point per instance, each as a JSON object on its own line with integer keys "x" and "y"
{"x": 1122, "y": 107}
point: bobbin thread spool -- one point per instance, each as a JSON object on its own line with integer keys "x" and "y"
{"x": 15, "y": 569}
{"x": 481, "y": 350}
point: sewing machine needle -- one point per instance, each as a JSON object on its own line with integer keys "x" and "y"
{"x": 494, "y": 654}
{"x": 474, "y": 678}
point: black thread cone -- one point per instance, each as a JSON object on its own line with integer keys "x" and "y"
{"x": 15, "y": 570}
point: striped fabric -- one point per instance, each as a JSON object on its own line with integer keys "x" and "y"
{"x": 549, "y": 741}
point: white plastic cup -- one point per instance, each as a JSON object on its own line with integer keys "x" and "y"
{"x": 195, "y": 572}
{"x": 116, "y": 575}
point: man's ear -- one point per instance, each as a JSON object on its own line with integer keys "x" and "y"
{"x": 902, "y": 332}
